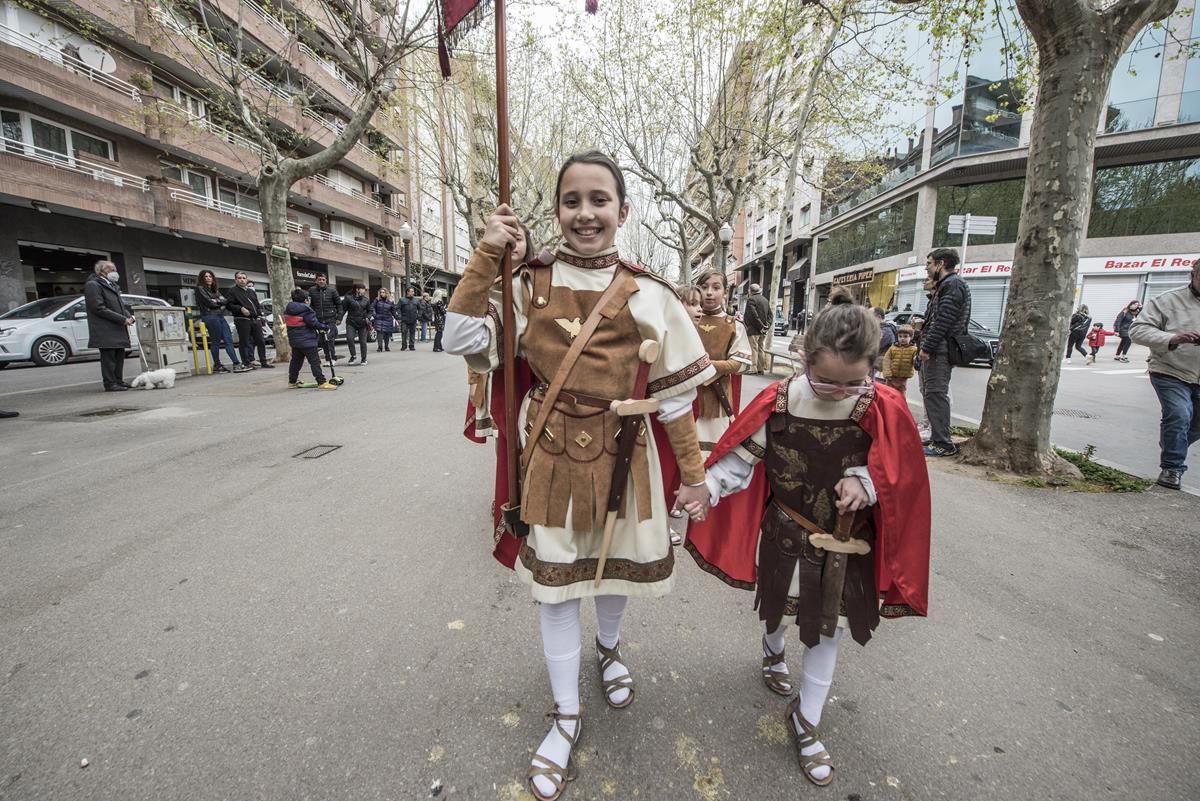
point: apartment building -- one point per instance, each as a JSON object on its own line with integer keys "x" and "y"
{"x": 969, "y": 156}
{"x": 116, "y": 145}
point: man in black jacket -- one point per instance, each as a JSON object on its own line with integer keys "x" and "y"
{"x": 357, "y": 307}
{"x": 410, "y": 314}
{"x": 947, "y": 316}
{"x": 328, "y": 305}
{"x": 247, "y": 314}
{"x": 108, "y": 320}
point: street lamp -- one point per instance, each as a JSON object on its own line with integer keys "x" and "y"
{"x": 406, "y": 236}
{"x": 725, "y": 234}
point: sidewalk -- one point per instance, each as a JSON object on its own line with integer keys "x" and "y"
{"x": 201, "y": 611}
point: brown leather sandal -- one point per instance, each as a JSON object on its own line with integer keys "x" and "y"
{"x": 608, "y": 656}
{"x": 803, "y": 740}
{"x": 776, "y": 681}
{"x": 547, "y": 768}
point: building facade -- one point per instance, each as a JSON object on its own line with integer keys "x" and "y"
{"x": 969, "y": 158}
{"x": 117, "y": 144}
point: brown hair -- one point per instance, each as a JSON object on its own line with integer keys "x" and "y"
{"x": 200, "y": 278}
{"x": 709, "y": 273}
{"x": 591, "y": 157}
{"x": 688, "y": 293}
{"x": 844, "y": 329}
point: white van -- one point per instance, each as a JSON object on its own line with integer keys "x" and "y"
{"x": 50, "y": 331}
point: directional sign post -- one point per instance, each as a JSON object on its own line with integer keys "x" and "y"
{"x": 967, "y": 224}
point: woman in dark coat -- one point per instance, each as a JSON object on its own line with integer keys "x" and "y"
{"x": 1122, "y": 325}
{"x": 385, "y": 320}
{"x": 212, "y": 313}
{"x": 1081, "y": 321}
{"x": 108, "y": 321}
{"x": 439, "y": 319}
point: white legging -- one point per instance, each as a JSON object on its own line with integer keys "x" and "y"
{"x": 561, "y": 635}
{"x": 817, "y": 673}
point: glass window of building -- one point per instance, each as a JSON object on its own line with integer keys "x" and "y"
{"x": 1159, "y": 197}
{"x": 991, "y": 117}
{"x": 876, "y": 236}
{"x": 1133, "y": 94}
{"x": 1189, "y": 101}
{"x": 88, "y": 145}
{"x": 999, "y": 199}
{"x": 13, "y": 136}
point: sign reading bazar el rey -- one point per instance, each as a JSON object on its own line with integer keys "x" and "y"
{"x": 856, "y": 277}
{"x": 1091, "y": 265}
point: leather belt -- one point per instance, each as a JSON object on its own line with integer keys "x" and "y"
{"x": 798, "y": 518}
{"x": 578, "y": 398}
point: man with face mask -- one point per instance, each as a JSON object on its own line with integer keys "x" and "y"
{"x": 947, "y": 316}
{"x": 108, "y": 320}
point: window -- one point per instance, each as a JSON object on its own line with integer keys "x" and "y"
{"x": 199, "y": 182}
{"x": 1161, "y": 197}
{"x": 999, "y": 199}
{"x": 234, "y": 195}
{"x": 51, "y": 140}
{"x": 878, "y": 235}
{"x": 1133, "y": 94}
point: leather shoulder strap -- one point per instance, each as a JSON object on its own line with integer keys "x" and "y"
{"x": 615, "y": 296}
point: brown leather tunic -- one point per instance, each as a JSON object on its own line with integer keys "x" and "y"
{"x": 805, "y": 459}
{"x": 572, "y": 463}
{"x": 717, "y": 334}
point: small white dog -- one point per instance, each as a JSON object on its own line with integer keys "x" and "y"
{"x": 155, "y": 379}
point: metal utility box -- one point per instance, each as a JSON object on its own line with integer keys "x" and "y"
{"x": 162, "y": 331}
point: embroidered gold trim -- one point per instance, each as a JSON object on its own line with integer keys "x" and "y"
{"x": 711, "y": 569}
{"x": 680, "y": 376}
{"x": 560, "y": 574}
{"x": 754, "y": 449}
{"x": 864, "y": 403}
{"x": 596, "y": 263}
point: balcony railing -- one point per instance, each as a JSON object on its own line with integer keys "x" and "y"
{"x": 335, "y": 130}
{"x": 212, "y": 203}
{"x": 225, "y": 60}
{"x": 218, "y": 131}
{"x": 61, "y": 161}
{"x": 266, "y": 17}
{"x": 346, "y": 190}
{"x": 333, "y": 69}
{"x": 342, "y": 240}
{"x": 50, "y": 53}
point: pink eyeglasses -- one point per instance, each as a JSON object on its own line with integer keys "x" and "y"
{"x": 857, "y": 389}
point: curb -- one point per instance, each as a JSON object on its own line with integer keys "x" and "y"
{"x": 971, "y": 421}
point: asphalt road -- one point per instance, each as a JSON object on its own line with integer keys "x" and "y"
{"x": 201, "y": 613}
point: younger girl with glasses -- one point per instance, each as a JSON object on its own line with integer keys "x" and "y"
{"x": 831, "y": 512}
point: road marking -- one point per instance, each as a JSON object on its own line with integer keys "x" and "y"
{"x": 46, "y": 389}
{"x": 1122, "y": 372}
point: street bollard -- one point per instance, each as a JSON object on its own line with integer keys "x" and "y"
{"x": 195, "y": 350}
{"x": 204, "y": 340}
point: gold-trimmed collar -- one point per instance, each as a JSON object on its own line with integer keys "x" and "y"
{"x": 608, "y": 258}
{"x": 713, "y": 313}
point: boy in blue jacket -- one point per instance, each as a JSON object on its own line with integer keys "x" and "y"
{"x": 302, "y": 327}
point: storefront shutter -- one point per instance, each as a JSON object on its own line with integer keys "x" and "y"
{"x": 988, "y": 296}
{"x": 1106, "y": 295}
{"x": 911, "y": 292}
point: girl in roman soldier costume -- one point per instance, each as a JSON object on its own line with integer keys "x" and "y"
{"x": 831, "y": 512}
{"x": 607, "y": 346}
{"x": 728, "y": 347}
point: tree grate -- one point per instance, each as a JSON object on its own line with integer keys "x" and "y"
{"x": 107, "y": 412}
{"x": 316, "y": 452}
{"x": 1080, "y": 413}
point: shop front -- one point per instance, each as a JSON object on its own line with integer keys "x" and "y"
{"x": 857, "y": 282}
{"x": 1106, "y": 284}
{"x": 175, "y": 281}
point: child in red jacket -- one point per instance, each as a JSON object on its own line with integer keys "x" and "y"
{"x": 1095, "y": 340}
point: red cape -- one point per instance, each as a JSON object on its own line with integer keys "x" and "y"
{"x": 726, "y": 544}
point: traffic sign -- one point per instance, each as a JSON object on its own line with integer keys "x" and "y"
{"x": 970, "y": 224}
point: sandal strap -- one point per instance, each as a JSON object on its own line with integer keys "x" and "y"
{"x": 772, "y": 659}
{"x": 608, "y": 658}
{"x": 558, "y": 719}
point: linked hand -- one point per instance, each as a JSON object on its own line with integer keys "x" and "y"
{"x": 852, "y": 495}
{"x": 693, "y": 500}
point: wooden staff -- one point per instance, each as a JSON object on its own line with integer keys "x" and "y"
{"x": 507, "y": 316}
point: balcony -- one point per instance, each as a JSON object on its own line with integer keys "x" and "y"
{"x": 257, "y": 22}
{"x": 346, "y": 202}
{"x": 28, "y": 172}
{"x": 328, "y": 75}
{"x": 201, "y": 139}
{"x": 120, "y": 14}
{"x": 187, "y": 211}
{"x": 323, "y": 132}
{"x": 324, "y": 246}
{"x": 29, "y": 66}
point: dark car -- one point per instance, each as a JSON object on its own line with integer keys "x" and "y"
{"x": 990, "y": 337}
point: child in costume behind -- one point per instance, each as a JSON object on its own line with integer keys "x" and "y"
{"x": 831, "y": 511}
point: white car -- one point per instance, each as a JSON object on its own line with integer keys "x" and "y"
{"x": 51, "y": 330}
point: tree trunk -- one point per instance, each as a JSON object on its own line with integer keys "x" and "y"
{"x": 1075, "y": 68}
{"x": 273, "y": 187}
{"x": 781, "y": 233}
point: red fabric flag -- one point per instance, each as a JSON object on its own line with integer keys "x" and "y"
{"x": 456, "y": 19}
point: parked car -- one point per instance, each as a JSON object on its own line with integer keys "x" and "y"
{"x": 983, "y": 332}
{"x": 50, "y": 331}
